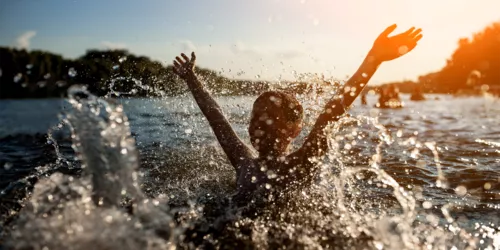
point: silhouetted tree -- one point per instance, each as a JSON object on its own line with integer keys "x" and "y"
{"x": 38, "y": 74}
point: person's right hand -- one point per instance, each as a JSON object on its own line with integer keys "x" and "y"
{"x": 183, "y": 68}
{"x": 387, "y": 48}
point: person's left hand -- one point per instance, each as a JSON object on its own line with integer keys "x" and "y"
{"x": 387, "y": 48}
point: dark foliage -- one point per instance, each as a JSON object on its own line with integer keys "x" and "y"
{"x": 39, "y": 74}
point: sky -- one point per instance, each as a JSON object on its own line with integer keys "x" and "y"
{"x": 264, "y": 39}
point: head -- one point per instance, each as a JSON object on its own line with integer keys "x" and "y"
{"x": 276, "y": 120}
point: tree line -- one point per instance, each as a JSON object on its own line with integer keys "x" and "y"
{"x": 39, "y": 74}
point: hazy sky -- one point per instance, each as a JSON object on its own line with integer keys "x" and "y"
{"x": 246, "y": 38}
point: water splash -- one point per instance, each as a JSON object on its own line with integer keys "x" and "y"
{"x": 101, "y": 137}
{"x": 441, "y": 180}
{"x": 66, "y": 212}
{"x": 354, "y": 203}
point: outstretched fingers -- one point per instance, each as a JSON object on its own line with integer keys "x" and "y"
{"x": 412, "y": 41}
{"x": 417, "y": 38}
{"x": 186, "y": 59}
{"x": 178, "y": 69}
{"x": 193, "y": 57}
{"x": 415, "y": 33}
{"x": 177, "y": 64}
{"x": 388, "y": 31}
{"x": 183, "y": 63}
{"x": 179, "y": 60}
{"x": 409, "y": 31}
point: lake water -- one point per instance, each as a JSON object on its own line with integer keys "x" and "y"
{"x": 442, "y": 158}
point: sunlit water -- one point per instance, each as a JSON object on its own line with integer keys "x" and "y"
{"x": 149, "y": 174}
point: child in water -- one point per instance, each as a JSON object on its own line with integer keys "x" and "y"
{"x": 276, "y": 120}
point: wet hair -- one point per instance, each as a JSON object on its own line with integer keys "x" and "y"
{"x": 277, "y": 104}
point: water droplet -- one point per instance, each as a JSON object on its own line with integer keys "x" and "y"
{"x": 360, "y": 176}
{"x": 257, "y": 76}
{"x": 427, "y": 204}
{"x": 108, "y": 219}
{"x": 72, "y": 72}
{"x": 7, "y": 166}
{"x": 41, "y": 84}
{"x": 414, "y": 153}
{"x": 46, "y": 76}
{"x": 364, "y": 75}
{"x": 485, "y": 87}
{"x": 461, "y": 190}
{"x": 115, "y": 67}
{"x": 18, "y": 77}
{"x": 399, "y": 133}
{"x": 29, "y": 66}
{"x": 188, "y": 131}
{"x": 271, "y": 175}
{"x": 487, "y": 186}
{"x": 254, "y": 179}
{"x": 441, "y": 182}
{"x": 60, "y": 83}
{"x": 268, "y": 186}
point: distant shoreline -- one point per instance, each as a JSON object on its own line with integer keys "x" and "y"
{"x": 188, "y": 95}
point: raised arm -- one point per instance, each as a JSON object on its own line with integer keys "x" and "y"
{"x": 234, "y": 148}
{"x": 385, "y": 48}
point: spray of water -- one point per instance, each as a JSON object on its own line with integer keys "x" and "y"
{"x": 354, "y": 203}
{"x": 80, "y": 213}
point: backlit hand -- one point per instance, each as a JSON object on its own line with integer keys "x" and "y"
{"x": 183, "y": 68}
{"x": 387, "y": 48}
